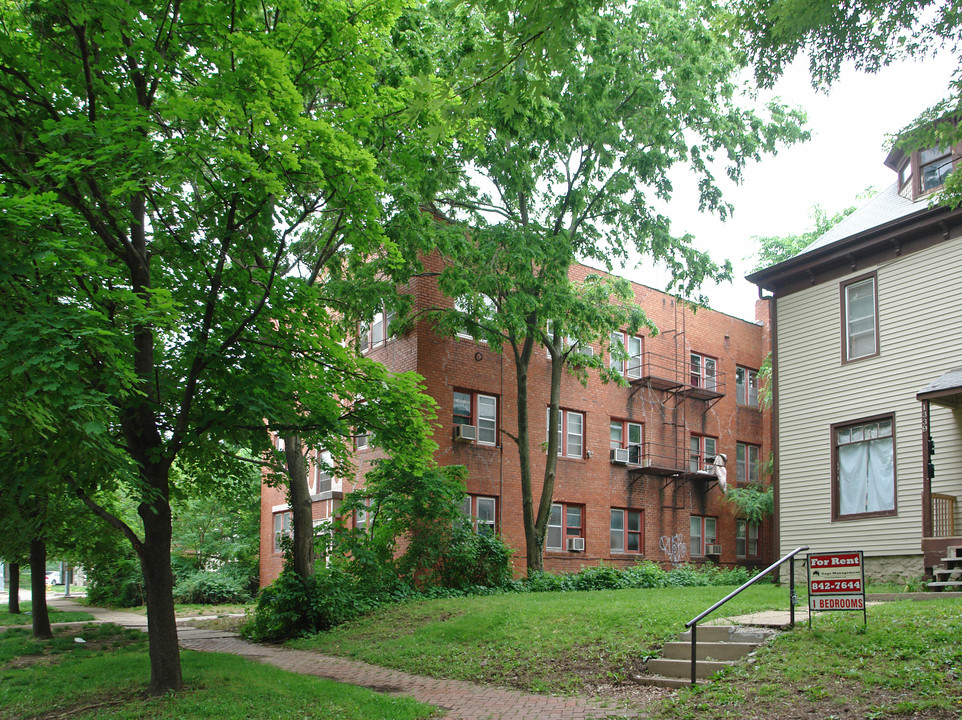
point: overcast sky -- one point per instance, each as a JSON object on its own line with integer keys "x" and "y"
{"x": 850, "y": 126}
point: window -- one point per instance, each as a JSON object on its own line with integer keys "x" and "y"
{"x": 702, "y": 452}
{"x": 375, "y": 333}
{"x": 632, "y": 346}
{"x": 746, "y": 462}
{"x": 480, "y": 511}
{"x": 746, "y": 386}
{"x": 625, "y": 434}
{"x": 322, "y": 473}
{"x": 935, "y": 164}
{"x": 282, "y": 528}
{"x": 627, "y": 535}
{"x": 864, "y": 468}
{"x": 702, "y": 534}
{"x": 703, "y": 371}
{"x": 905, "y": 176}
{"x": 568, "y": 343}
{"x": 571, "y": 432}
{"x": 471, "y": 408}
{"x": 363, "y": 516}
{"x": 860, "y": 318}
{"x": 566, "y": 521}
{"x": 483, "y": 308}
{"x": 746, "y": 538}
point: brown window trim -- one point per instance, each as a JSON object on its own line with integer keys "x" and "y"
{"x": 844, "y": 327}
{"x": 838, "y": 517}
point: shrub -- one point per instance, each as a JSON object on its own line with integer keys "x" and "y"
{"x": 114, "y": 579}
{"x": 211, "y": 588}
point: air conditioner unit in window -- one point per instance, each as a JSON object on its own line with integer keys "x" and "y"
{"x": 619, "y": 456}
{"x": 576, "y": 544}
{"x": 713, "y": 549}
{"x": 465, "y": 433}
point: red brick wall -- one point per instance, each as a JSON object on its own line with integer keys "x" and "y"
{"x": 447, "y": 364}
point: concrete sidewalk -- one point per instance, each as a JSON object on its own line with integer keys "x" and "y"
{"x": 461, "y": 700}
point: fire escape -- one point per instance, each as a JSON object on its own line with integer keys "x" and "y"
{"x": 685, "y": 385}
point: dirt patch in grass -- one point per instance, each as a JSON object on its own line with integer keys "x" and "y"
{"x": 92, "y": 703}
{"x": 232, "y": 623}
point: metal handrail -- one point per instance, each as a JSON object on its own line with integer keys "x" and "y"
{"x": 792, "y": 600}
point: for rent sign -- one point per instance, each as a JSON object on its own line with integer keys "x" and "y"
{"x": 836, "y": 581}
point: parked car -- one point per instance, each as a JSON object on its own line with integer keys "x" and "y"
{"x": 53, "y": 577}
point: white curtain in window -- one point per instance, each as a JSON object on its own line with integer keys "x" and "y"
{"x": 866, "y": 477}
{"x": 852, "y": 478}
{"x": 881, "y": 476}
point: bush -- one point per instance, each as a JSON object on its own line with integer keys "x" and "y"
{"x": 211, "y": 588}
{"x": 114, "y": 579}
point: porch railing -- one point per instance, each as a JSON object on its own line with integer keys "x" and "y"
{"x": 792, "y": 600}
{"x": 943, "y": 515}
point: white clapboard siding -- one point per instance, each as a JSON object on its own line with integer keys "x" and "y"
{"x": 920, "y": 335}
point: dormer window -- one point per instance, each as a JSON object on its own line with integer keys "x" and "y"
{"x": 905, "y": 176}
{"x": 934, "y": 166}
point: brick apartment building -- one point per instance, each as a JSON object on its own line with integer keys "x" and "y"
{"x": 631, "y": 480}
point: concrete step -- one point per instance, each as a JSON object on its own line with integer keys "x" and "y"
{"x": 950, "y": 561}
{"x": 682, "y": 668}
{"x": 945, "y": 585}
{"x": 947, "y": 573}
{"x": 729, "y": 633}
{"x": 725, "y": 651}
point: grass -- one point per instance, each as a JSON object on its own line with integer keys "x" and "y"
{"x": 544, "y": 642}
{"x": 106, "y": 676}
{"x": 906, "y": 663}
{"x": 23, "y": 618}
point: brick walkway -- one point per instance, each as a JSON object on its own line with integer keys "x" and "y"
{"x": 461, "y": 700}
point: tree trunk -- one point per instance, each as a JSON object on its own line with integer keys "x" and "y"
{"x": 13, "y": 602}
{"x": 551, "y": 462}
{"x": 165, "y": 670}
{"x": 302, "y": 522}
{"x": 533, "y": 548}
{"x": 38, "y": 590}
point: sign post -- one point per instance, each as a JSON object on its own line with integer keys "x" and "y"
{"x": 836, "y": 581}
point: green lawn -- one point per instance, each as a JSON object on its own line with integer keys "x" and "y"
{"x": 906, "y": 663}
{"x": 546, "y": 642}
{"x": 56, "y": 616}
{"x": 106, "y": 677}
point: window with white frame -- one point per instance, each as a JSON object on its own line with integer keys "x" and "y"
{"x": 566, "y": 521}
{"x": 630, "y": 345}
{"x": 483, "y": 304}
{"x": 480, "y": 511}
{"x": 860, "y": 318}
{"x": 323, "y": 537}
{"x": 746, "y": 386}
{"x": 363, "y": 516}
{"x": 571, "y": 432}
{"x": 702, "y": 451}
{"x": 702, "y": 534}
{"x": 627, "y": 531}
{"x": 703, "y": 371}
{"x": 746, "y": 462}
{"x": 282, "y": 529}
{"x": 864, "y": 468}
{"x": 473, "y": 408}
{"x": 629, "y": 435}
{"x": 746, "y": 539}
{"x": 568, "y": 342}
{"x": 376, "y": 331}
{"x": 322, "y": 473}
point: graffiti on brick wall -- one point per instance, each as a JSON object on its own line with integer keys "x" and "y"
{"x": 674, "y": 548}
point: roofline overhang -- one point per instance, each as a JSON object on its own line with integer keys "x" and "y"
{"x": 849, "y": 249}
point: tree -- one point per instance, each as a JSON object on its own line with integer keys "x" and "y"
{"x": 159, "y": 162}
{"x": 573, "y": 155}
{"x": 774, "y": 249}
{"x": 870, "y": 33}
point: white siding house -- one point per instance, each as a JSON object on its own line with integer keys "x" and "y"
{"x": 868, "y": 334}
